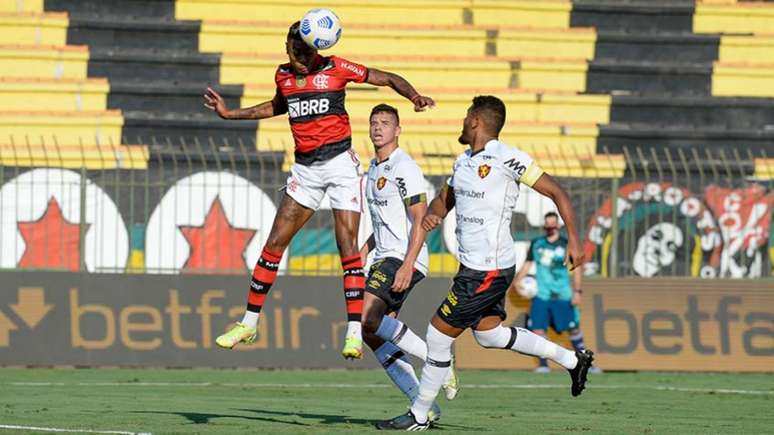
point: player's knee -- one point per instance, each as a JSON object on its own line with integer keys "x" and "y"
{"x": 496, "y": 338}
{"x": 372, "y": 340}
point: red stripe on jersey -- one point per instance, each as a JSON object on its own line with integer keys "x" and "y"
{"x": 354, "y": 282}
{"x": 490, "y": 276}
{"x": 313, "y": 134}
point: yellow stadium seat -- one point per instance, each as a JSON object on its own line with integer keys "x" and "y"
{"x": 16, "y": 6}
{"x": 562, "y": 75}
{"x": 529, "y": 13}
{"x": 734, "y": 18}
{"x": 764, "y": 169}
{"x": 269, "y": 38}
{"x": 382, "y": 12}
{"x": 741, "y": 80}
{"x": 536, "y": 43}
{"x": 746, "y": 49}
{"x": 44, "y": 61}
{"x": 37, "y": 128}
{"x": 56, "y": 95}
{"x": 237, "y": 68}
{"x": 75, "y": 156}
{"x": 33, "y": 29}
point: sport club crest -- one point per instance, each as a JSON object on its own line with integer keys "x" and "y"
{"x": 483, "y": 170}
{"x": 380, "y": 183}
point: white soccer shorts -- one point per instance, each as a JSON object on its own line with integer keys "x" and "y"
{"x": 339, "y": 177}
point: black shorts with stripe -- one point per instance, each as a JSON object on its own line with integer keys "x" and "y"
{"x": 380, "y": 279}
{"x": 474, "y": 295}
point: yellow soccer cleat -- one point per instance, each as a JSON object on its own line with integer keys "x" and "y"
{"x": 451, "y": 386}
{"x": 239, "y": 333}
{"x": 353, "y": 348}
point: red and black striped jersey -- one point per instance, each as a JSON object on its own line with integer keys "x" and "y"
{"x": 315, "y": 106}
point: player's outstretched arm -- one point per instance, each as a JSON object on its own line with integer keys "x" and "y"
{"x": 439, "y": 208}
{"x": 400, "y": 85}
{"x": 215, "y": 102}
{"x": 547, "y": 186}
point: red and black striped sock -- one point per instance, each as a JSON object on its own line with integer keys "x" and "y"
{"x": 264, "y": 274}
{"x": 354, "y": 285}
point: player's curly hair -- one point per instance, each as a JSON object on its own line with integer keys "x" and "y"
{"x": 385, "y": 108}
{"x": 492, "y": 110}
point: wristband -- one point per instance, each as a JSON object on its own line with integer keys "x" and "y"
{"x": 414, "y": 98}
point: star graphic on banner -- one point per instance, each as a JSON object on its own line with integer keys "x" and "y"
{"x": 52, "y": 241}
{"x": 216, "y": 246}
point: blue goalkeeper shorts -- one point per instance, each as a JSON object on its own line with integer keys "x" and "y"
{"x": 556, "y": 313}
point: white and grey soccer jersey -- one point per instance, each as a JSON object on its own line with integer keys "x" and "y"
{"x": 486, "y": 186}
{"x": 393, "y": 185}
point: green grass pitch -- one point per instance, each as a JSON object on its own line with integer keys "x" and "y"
{"x": 162, "y": 401}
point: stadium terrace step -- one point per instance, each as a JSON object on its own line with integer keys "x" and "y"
{"x": 635, "y": 16}
{"x": 75, "y": 156}
{"x": 660, "y": 47}
{"x": 114, "y": 32}
{"x": 163, "y": 97}
{"x": 743, "y": 80}
{"x": 145, "y": 65}
{"x": 649, "y": 78}
{"x": 753, "y": 17}
{"x": 747, "y": 49}
{"x": 23, "y": 94}
{"x": 21, "y": 7}
{"x": 527, "y": 13}
{"x": 33, "y": 29}
{"x": 44, "y": 61}
{"x": 36, "y": 128}
{"x": 115, "y": 8}
{"x": 263, "y": 37}
{"x": 522, "y": 105}
{"x": 614, "y": 137}
{"x": 383, "y": 12}
{"x": 755, "y": 113}
{"x": 153, "y": 128}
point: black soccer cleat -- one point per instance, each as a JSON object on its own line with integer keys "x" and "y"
{"x": 405, "y": 421}
{"x": 581, "y": 370}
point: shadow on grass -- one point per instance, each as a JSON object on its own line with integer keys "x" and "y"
{"x": 204, "y": 418}
{"x": 338, "y": 419}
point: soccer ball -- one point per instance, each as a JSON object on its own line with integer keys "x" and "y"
{"x": 320, "y": 28}
{"x": 528, "y": 288}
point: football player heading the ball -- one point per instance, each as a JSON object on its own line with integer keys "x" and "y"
{"x": 310, "y": 89}
{"x": 556, "y": 302}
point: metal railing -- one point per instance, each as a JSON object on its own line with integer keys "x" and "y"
{"x": 175, "y": 206}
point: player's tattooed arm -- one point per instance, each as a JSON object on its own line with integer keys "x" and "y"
{"x": 439, "y": 208}
{"x": 400, "y": 85}
{"x": 547, "y": 186}
{"x": 215, "y": 102}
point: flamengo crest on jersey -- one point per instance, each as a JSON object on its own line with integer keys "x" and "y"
{"x": 315, "y": 103}
{"x": 485, "y": 187}
{"x": 390, "y": 185}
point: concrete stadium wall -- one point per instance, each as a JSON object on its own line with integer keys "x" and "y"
{"x": 79, "y": 319}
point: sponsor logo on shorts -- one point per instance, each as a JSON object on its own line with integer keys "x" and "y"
{"x": 445, "y": 310}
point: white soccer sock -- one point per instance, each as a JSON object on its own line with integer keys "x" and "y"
{"x": 407, "y": 340}
{"x": 398, "y": 369}
{"x": 434, "y": 372}
{"x": 250, "y": 319}
{"x": 526, "y": 342}
{"x": 354, "y": 329}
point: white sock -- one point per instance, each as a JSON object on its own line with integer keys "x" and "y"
{"x": 354, "y": 329}
{"x": 250, "y": 319}
{"x": 392, "y": 329}
{"x": 434, "y": 372}
{"x": 398, "y": 369}
{"x": 526, "y": 342}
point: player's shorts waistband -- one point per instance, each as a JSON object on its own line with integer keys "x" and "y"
{"x": 324, "y": 152}
{"x": 465, "y": 270}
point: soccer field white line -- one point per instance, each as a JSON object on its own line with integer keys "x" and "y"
{"x": 345, "y": 386}
{"x": 56, "y": 429}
